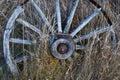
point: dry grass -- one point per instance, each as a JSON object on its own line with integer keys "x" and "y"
{"x": 98, "y": 62}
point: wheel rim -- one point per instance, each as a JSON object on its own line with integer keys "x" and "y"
{"x": 63, "y": 35}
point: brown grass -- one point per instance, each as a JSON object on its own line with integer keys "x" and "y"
{"x": 98, "y": 62}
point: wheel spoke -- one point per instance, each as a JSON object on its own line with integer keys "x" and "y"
{"x": 40, "y": 13}
{"x": 58, "y": 14}
{"x": 84, "y": 22}
{"x": 26, "y": 24}
{"x": 114, "y": 39}
{"x": 21, "y": 41}
{"x": 70, "y": 18}
{"x": 75, "y": 54}
{"x": 93, "y": 33}
{"x": 21, "y": 58}
{"x": 69, "y": 5}
{"x": 70, "y": 59}
{"x": 79, "y": 47}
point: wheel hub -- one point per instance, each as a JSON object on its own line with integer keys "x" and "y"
{"x": 62, "y": 46}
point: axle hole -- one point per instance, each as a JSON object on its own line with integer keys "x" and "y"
{"x": 62, "y": 48}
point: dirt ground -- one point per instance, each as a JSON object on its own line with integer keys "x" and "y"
{"x": 99, "y": 62}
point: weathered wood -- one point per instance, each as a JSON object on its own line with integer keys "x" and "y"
{"x": 40, "y": 13}
{"x": 114, "y": 39}
{"x": 93, "y": 33}
{"x": 21, "y": 58}
{"x": 22, "y": 41}
{"x": 18, "y": 59}
{"x": 58, "y": 15}
{"x": 44, "y": 19}
{"x": 70, "y": 17}
{"x": 26, "y": 24}
{"x": 9, "y": 27}
{"x": 85, "y": 21}
{"x": 80, "y": 47}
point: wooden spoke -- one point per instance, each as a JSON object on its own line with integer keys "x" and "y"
{"x": 70, "y": 59}
{"x": 114, "y": 39}
{"x": 85, "y": 21}
{"x": 70, "y": 17}
{"x": 93, "y": 33}
{"x": 21, "y": 58}
{"x": 58, "y": 15}
{"x": 26, "y": 24}
{"x": 21, "y": 41}
{"x": 79, "y": 47}
{"x": 40, "y": 13}
{"x": 75, "y": 54}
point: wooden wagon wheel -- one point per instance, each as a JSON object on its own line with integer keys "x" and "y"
{"x": 63, "y": 43}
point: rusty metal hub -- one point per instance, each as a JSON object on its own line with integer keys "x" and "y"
{"x": 62, "y": 46}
